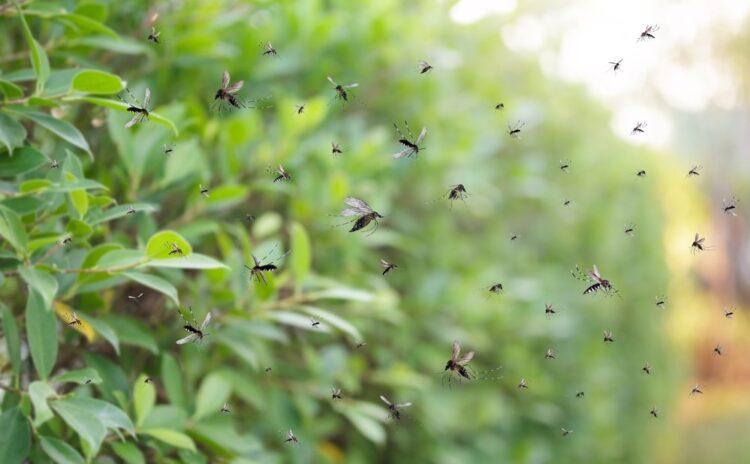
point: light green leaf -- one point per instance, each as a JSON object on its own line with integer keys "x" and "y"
{"x": 171, "y": 377}
{"x": 96, "y": 82}
{"x": 15, "y": 439}
{"x": 193, "y": 261}
{"x": 333, "y": 320}
{"x": 12, "y": 230}
{"x": 162, "y": 243}
{"x": 59, "y": 451}
{"x": 132, "y": 332}
{"x": 62, "y": 129}
{"x": 41, "y": 333}
{"x": 144, "y": 398}
{"x": 39, "y": 391}
{"x": 39, "y": 60}
{"x": 103, "y": 329}
{"x": 12, "y": 339}
{"x": 119, "y": 259}
{"x": 41, "y": 281}
{"x": 10, "y": 90}
{"x": 171, "y": 437}
{"x": 83, "y": 420}
{"x": 128, "y": 452}
{"x": 26, "y": 159}
{"x": 301, "y": 255}
{"x": 79, "y": 376}
{"x": 367, "y": 426}
{"x": 12, "y": 133}
{"x": 98, "y": 217}
{"x": 120, "y": 106}
{"x": 154, "y": 282}
{"x": 212, "y": 394}
{"x": 80, "y": 200}
{"x": 110, "y": 415}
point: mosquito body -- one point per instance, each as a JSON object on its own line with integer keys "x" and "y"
{"x": 565, "y": 165}
{"x": 457, "y": 192}
{"x": 412, "y": 146}
{"x": 514, "y": 130}
{"x": 314, "y": 323}
{"x": 616, "y": 65}
{"x": 387, "y": 267}
{"x": 341, "y": 89}
{"x": 608, "y": 336}
{"x": 646, "y": 369}
{"x": 300, "y": 108}
{"x": 196, "y": 333}
{"x": 360, "y": 345}
{"x": 599, "y": 283}
{"x": 729, "y": 313}
{"x": 629, "y": 230}
{"x": 131, "y": 210}
{"x": 654, "y": 413}
{"x": 641, "y": 173}
{"x": 227, "y": 91}
{"x": 522, "y": 385}
{"x": 336, "y": 149}
{"x": 718, "y": 350}
{"x": 648, "y": 33}
{"x": 639, "y": 128}
{"x": 290, "y": 438}
{"x": 74, "y": 319}
{"x": 140, "y": 111}
{"x": 550, "y": 354}
{"x": 565, "y": 432}
{"x": 67, "y": 240}
{"x": 203, "y": 191}
{"x": 363, "y": 212}
{"x": 54, "y": 164}
{"x": 660, "y": 302}
{"x": 268, "y": 50}
{"x": 424, "y": 67}
{"x": 695, "y": 171}
{"x": 549, "y": 310}
{"x": 500, "y": 106}
{"x": 696, "y": 390}
{"x": 260, "y": 267}
{"x": 394, "y": 409}
{"x": 580, "y": 394}
{"x": 154, "y": 35}
{"x": 168, "y": 149}
{"x": 335, "y": 393}
{"x": 495, "y": 289}
{"x": 148, "y": 380}
{"x": 225, "y": 409}
{"x": 175, "y": 250}
{"x": 698, "y": 244}
{"x": 459, "y": 364}
{"x": 281, "y": 175}
{"x": 730, "y": 206}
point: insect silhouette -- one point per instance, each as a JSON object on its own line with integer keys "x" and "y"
{"x": 249, "y": 218}
{"x": 648, "y": 33}
{"x": 336, "y": 149}
{"x": 500, "y": 106}
{"x": 457, "y": 192}
{"x": 646, "y": 369}
{"x": 718, "y": 350}
{"x": 495, "y": 289}
{"x": 608, "y": 336}
{"x": 260, "y": 267}
{"x": 195, "y": 333}
{"x": 514, "y": 237}
{"x": 268, "y": 369}
{"x": 140, "y": 110}
{"x": 341, "y": 89}
{"x": 131, "y": 210}
{"x": 168, "y": 149}
{"x": 88, "y": 381}
{"x": 730, "y": 206}
{"x": 300, "y": 108}
{"x": 225, "y": 409}
{"x": 565, "y": 432}
{"x": 54, "y": 164}
{"x": 514, "y": 130}
{"x": 698, "y": 244}
{"x": 549, "y": 310}
{"x": 335, "y": 393}
{"x": 565, "y": 165}
{"x": 567, "y": 202}
{"x": 616, "y": 65}
{"x": 654, "y": 412}
{"x": 522, "y": 385}
{"x": 641, "y": 173}
{"x": 136, "y": 298}
{"x": 314, "y": 323}
{"x": 67, "y": 240}
{"x": 203, "y": 191}
{"x": 696, "y": 390}
{"x": 580, "y": 394}
{"x": 268, "y": 50}
{"x": 387, "y": 267}
{"x": 695, "y": 171}
{"x": 148, "y": 380}
{"x": 729, "y": 313}
{"x": 394, "y": 409}
{"x": 226, "y": 92}
{"x": 550, "y": 354}
{"x": 281, "y": 175}
{"x": 154, "y": 36}
{"x": 639, "y": 128}
{"x": 290, "y": 438}
{"x": 661, "y": 302}
{"x": 175, "y": 250}
{"x": 74, "y": 319}
{"x": 424, "y": 67}
{"x": 364, "y": 213}
{"x": 599, "y": 283}
{"x": 629, "y": 230}
{"x": 459, "y": 365}
{"x": 360, "y": 344}
{"x": 412, "y": 146}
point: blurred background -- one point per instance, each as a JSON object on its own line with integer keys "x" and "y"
{"x": 547, "y": 63}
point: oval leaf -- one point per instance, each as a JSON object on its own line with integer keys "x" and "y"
{"x": 15, "y": 439}
{"x": 167, "y": 244}
{"x": 41, "y": 333}
{"x": 98, "y": 82}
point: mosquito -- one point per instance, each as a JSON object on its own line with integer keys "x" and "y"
{"x": 281, "y": 174}
{"x": 290, "y": 438}
{"x": 514, "y": 237}
{"x": 336, "y": 149}
{"x": 629, "y": 230}
{"x": 695, "y": 171}
{"x": 54, "y": 164}
{"x": 567, "y": 202}
{"x": 314, "y": 323}
{"x": 387, "y": 267}
{"x": 131, "y": 210}
{"x": 457, "y": 192}
{"x": 522, "y": 385}
{"x": 549, "y": 310}
{"x": 335, "y": 393}
{"x": 195, "y": 333}
{"x": 646, "y": 369}
{"x": 341, "y": 89}
{"x": 616, "y": 65}
{"x": 424, "y": 67}
{"x": 74, "y": 319}
{"x": 154, "y": 36}
{"x": 175, "y": 250}
{"x": 495, "y": 289}
{"x": 140, "y": 111}
{"x": 226, "y": 91}
{"x": 580, "y": 394}
{"x": 654, "y": 412}
{"x": 360, "y": 345}
{"x": 565, "y": 432}
{"x": 641, "y": 173}
{"x": 136, "y": 298}
{"x": 500, "y": 106}
{"x": 661, "y": 302}
{"x": 458, "y": 365}
{"x": 696, "y": 390}
{"x": 648, "y": 33}
{"x": 593, "y": 275}
{"x": 67, "y": 240}
{"x": 639, "y": 128}
{"x": 608, "y": 336}
{"x": 300, "y": 108}
{"x": 718, "y": 350}
{"x": 393, "y": 408}
{"x": 148, "y": 380}
{"x": 412, "y": 146}
{"x": 203, "y": 190}
{"x": 225, "y": 409}
{"x": 730, "y": 206}
{"x": 268, "y": 369}
{"x": 698, "y": 244}
{"x": 88, "y": 381}
{"x": 729, "y": 313}
{"x": 168, "y": 149}
{"x": 514, "y": 130}
{"x": 249, "y": 218}
{"x": 268, "y": 50}
{"x": 550, "y": 354}
{"x": 260, "y": 267}
{"x": 565, "y": 165}
{"x": 360, "y": 208}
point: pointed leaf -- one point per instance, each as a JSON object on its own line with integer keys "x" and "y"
{"x": 41, "y": 333}
{"x": 15, "y": 439}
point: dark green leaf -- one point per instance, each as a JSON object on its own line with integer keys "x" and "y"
{"x": 171, "y": 376}
{"x": 12, "y": 339}
{"x": 26, "y": 159}
{"x": 15, "y": 438}
{"x": 128, "y": 452}
{"x": 41, "y": 333}
{"x": 41, "y": 281}
{"x": 62, "y": 129}
{"x": 39, "y": 60}
{"x": 59, "y": 451}
{"x": 12, "y": 133}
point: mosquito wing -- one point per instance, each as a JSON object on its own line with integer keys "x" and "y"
{"x": 385, "y": 400}
{"x": 358, "y": 204}
{"x": 466, "y": 359}
{"x": 348, "y": 212}
{"x": 697, "y": 237}
{"x": 403, "y": 153}
{"x": 455, "y": 350}
{"x": 206, "y": 321}
{"x": 403, "y": 405}
{"x": 331, "y": 81}
{"x": 133, "y": 121}
{"x": 234, "y": 88}
{"x": 190, "y": 338}
{"x": 594, "y": 273}
{"x": 225, "y": 80}
{"x": 351, "y": 86}
{"x": 421, "y": 136}
{"x": 147, "y": 98}
{"x": 384, "y": 263}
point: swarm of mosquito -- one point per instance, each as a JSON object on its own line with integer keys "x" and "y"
{"x": 195, "y": 333}
{"x": 362, "y": 213}
{"x": 411, "y": 145}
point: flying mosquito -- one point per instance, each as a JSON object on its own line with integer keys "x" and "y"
{"x": 698, "y": 244}
{"x": 300, "y": 108}
{"x": 74, "y": 319}
{"x": 565, "y": 432}
{"x": 336, "y": 149}
{"x": 175, "y": 250}
{"x": 268, "y": 369}
{"x": 695, "y": 171}
{"x": 88, "y": 381}
{"x": 196, "y": 334}
{"x": 565, "y": 165}
{"x": 660, "y": 302}
{"x": 424, "y": 67}
{"x": 140, "y": 111}
{"x": 641, "y": 173}
{"x": 341, "y": 89}
{"x": 616, "y": 65}
{"x": 514, "y": 130}
{"x": 646, "y": 369}
{"x": 696, "y": 390}
{"x": 154, "y": 36}
{"x": 457, "y": 192}
{"x": 730, "y": 206}
{"x": 593, "y": 275}
{"x": 314, "y": 323}
{"x": 550, "y": 354}
{"x": 203, "y": 190}
{"x": 654, "y": 412}
{"x": 225, "y": 409}
{"x": 387, "y": 267}
{"x": 608, "y": 336}
{"x": 54, "y": 164}
{"x": 629, "y": 230}
{"x": 718, "y": 350}
{"x": 514, "y": 237}
{"x": 67, "y": 240}
{"x": 412, "y": 146}
{"x": 260, "y": 267}
{"x": 168, "y": 149}
{"x": 639, "y": 128}
{"x": 281, "y": 175}
{"x": 580, "y": 394}
{"x": 458, "y": 365}
{"x": 226, "y": 91}
{"x": 522, "y": 385}
{"x": 567, "y": 202}
{"x": 393, "y": 408}
{"x": 549, "y": 310}
{"x": 131, "y": 210}
{"x": 335, "y": 393}
{"x": 360, "y": 208}
{"x": 136, "y": 298}
{"x": 729, "y": 313}
{"x": 249, "y": 218}
{"x": 268, "y": 50}
{"x": 148, "y": 380}
{"x": 648, "y": 33}
{"x": 290, "y": 438}
{"x": 495, "y": 289}
{"x": 500, "y": 106}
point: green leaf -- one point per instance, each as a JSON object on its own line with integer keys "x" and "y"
{"x": 301, "y": 256}
{"x": 120, "y": 106}
{"x": 128, "y": 452}
{"x": 41, "y": 333}
{"x": 11, "y": 228}
{"x": 119, "y": 259}
{"x": 12, "y": 133}
{"x": 62, "y": 129}
{"x": 83, "y": 420}
{"x": 132, "y": 332}
{"x": 110, "y": 415}
{"x": 10, "y": 90}
{"x": 98, "y": 216}
{"x": 367, "y": 426}
{"x": 162, "y": 243}
{"x": 333, "y": 320}
{"x": 106, "y": 332}
{"x": 41, "y": 281}
{"x": 26, "y": 159}
{"x": 12, "y": 339}
{"x": 97, "y": 82}
{"x": 154, "y": 282}
{"x": 80, "y": 376}
{"x": 39, "y": 60}
{"x": 80, "y": 200}
{"x": 144, "y": 398}
{"x": 15, "y": 438}
{"x": 212, "y": 394}
{"x": 59, "y": 451}
{"x": 39, "y": 391}
{"x": 171, "y": 437}
{"x": 193, "y": 261}
{"x": 171, "y": 377}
